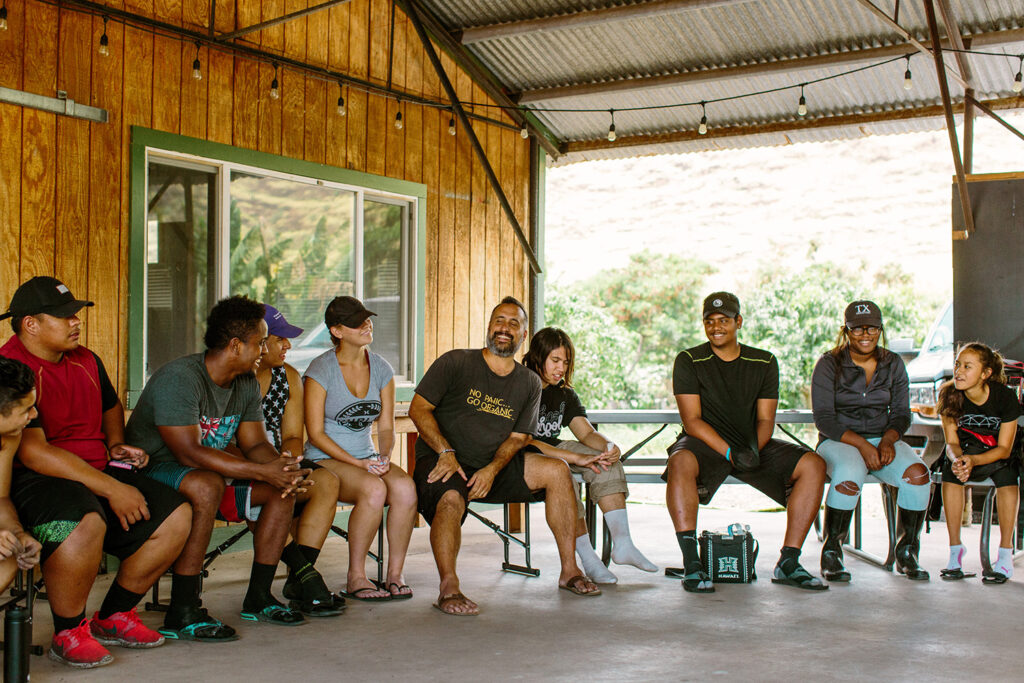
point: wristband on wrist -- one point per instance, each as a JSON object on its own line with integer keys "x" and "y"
{"x": 447, "y": 450}
{"x": 728, "y": 452}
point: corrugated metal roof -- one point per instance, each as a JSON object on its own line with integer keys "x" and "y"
{"x": 719, "y": 36}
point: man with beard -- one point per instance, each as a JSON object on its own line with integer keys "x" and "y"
{"x": 475, "y": 410}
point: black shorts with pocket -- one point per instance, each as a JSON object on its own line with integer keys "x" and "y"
{"x": 50, "y": 508}
{"x": 772, "y": 478}
{"x": 1005, "y": 472}
{"x": 509, "y": 485}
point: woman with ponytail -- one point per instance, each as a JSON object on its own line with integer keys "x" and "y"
{"x": 979, "y": 418}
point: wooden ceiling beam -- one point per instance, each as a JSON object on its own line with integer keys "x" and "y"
{"x": 585, "y": 18}
{"x": 696, "y": 77}
{"x": 782, "y": 127}
{"x": 278, "y": 20}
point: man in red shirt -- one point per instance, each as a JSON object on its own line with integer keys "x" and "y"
{"x": 78, "y": 492}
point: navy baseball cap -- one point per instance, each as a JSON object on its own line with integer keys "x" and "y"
{"x": 277, "y": 325}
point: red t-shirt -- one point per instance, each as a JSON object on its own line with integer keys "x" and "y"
{"x": 71, "y": 398}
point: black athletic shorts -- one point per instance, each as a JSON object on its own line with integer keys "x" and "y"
{"x": 50, "y": 508}
{"x": 1005, "y": 472}
{"x": 772, "y": 478}
{"x": 508, "y": 487}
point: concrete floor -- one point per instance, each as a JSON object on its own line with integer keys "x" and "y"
{"x": 645, "y": 628}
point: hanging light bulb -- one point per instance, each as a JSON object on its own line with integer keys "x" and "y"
{"x": 398, "y": 121}
{"x": 104, "y": 41}
{"x": 1018, "y": 83}
{"x": 611, "y": 128}
{"x": 3, "y": 16}
{"x": 524, "y": 132}
{"x": 275, "y": 90}
{"x": 451, "y": 126}
{"x": 197, "y": 68}
{"x": 908, "y": 78}
{"x": 801, "y": 107}
{"x": 702, "y": 129}
{"x": 341, "y": 100}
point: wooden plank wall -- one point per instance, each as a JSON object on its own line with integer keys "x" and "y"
{"x": 64, "y": 183}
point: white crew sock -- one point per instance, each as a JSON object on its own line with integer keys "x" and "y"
{"x": 592, "y": 564}
{"x": 1004, "y": 564}
{"x": 956, "y": 556}
{"x": 623, "y": 550}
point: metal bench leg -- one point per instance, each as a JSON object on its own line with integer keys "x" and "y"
{"x": 986, "y": 529}
{"x": 856, "y": 550}
{"x": 508, "y": 537}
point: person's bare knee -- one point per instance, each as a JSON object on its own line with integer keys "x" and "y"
{"x": 375, "y": 493}
{"x": 203, "y": 488}
{"x": 451, "y": 503}
{"x": 916, "y": 475}
{"x": 325, "y": 484}
{"x": 401, "y": 493}
{"x": 847, "y": 488}
{"x": 810, "y": 466}
{"x": 682, "y": 466}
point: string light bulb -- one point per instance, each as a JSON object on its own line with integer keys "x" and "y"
{"x": 1018, "y": 80}
{"x": 3, "y": 16}
{"x": 524, "y": 132}
{"x": 197, "y": 68}
{"x": 801, "y": 106}
{"x": 451, "y": 126}
{"x": 104, "y": 41}
{"x": 398, "y": 121}
{"x": 341, "y": 100}
{"x": 702, "y": 129}
{"x": 611, "y": 128}
{"x": 275, "y": 90}
{"x": 908, "y": 78}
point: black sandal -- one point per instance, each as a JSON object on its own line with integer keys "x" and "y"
{"x": 698, "y": 582}
{"x": 957, "y": 574}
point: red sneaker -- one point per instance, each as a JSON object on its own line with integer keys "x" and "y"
{"x": 76, "y": 647}
{"x": 124, "y": 629}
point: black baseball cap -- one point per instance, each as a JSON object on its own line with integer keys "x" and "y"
{"x": 347, "y": 311}
{"x": 863, "y": 314}
{"x": 44, "y": 294}
{"x": 722, "y": 302}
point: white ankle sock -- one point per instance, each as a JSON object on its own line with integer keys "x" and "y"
{"x": 956, "y": 556}
{"x": 623, "y": 550}
{"x": 1004, "y": 564}
{"x": 592, "y": 564}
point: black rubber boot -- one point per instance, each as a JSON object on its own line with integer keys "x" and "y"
{"x": 908, "y": 533}
{"x": 837, "y": 529}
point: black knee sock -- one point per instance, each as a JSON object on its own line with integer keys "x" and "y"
{"x": 64, "y": 623}
{"x": 691, "y": 551}
{"x": 789, "y": 558}
{"x": 294, "y": 558}
{"x": 185, "y": 590}
{"x": 258, "y": 596}
{"x": 312, "y": 554}
{"x": 119, "y": 599}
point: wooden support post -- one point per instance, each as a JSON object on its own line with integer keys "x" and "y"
{"x": 515, "y": 517}
{"x": 968, "y": 130}
{"x": 987, "y": 110}
{"x": 947, "y": 105}
{"x": 413, "y": 13}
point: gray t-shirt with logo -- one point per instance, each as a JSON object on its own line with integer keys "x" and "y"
{"x": 348, "y": 420}
{"x": 181, "y": 393}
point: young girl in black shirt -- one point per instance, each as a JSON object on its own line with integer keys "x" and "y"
{"x": 979, "y": 418}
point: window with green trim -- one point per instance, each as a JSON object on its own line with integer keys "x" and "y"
{"x": 215, "y": 227}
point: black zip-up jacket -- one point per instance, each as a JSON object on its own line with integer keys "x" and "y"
{"x": 848, "y": 402}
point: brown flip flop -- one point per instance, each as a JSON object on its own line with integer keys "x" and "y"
{"x": 448, "y": 599}
{"x": 574, "y": 587}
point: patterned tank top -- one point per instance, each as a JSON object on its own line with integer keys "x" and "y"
{"x": 274, "y": 403}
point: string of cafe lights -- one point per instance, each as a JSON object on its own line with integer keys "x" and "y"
{"x": 1016, "y": 85}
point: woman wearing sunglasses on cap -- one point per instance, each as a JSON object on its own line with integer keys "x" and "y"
{"x": 348, "y": 388}
{"x": 861, "y": 401}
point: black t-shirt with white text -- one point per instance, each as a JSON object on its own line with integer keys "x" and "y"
{"x": 475, "y": 408}
{"x": 728, "y": 390}
{"x": 978, "y": 427}
{"x": 559, "y": 405}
